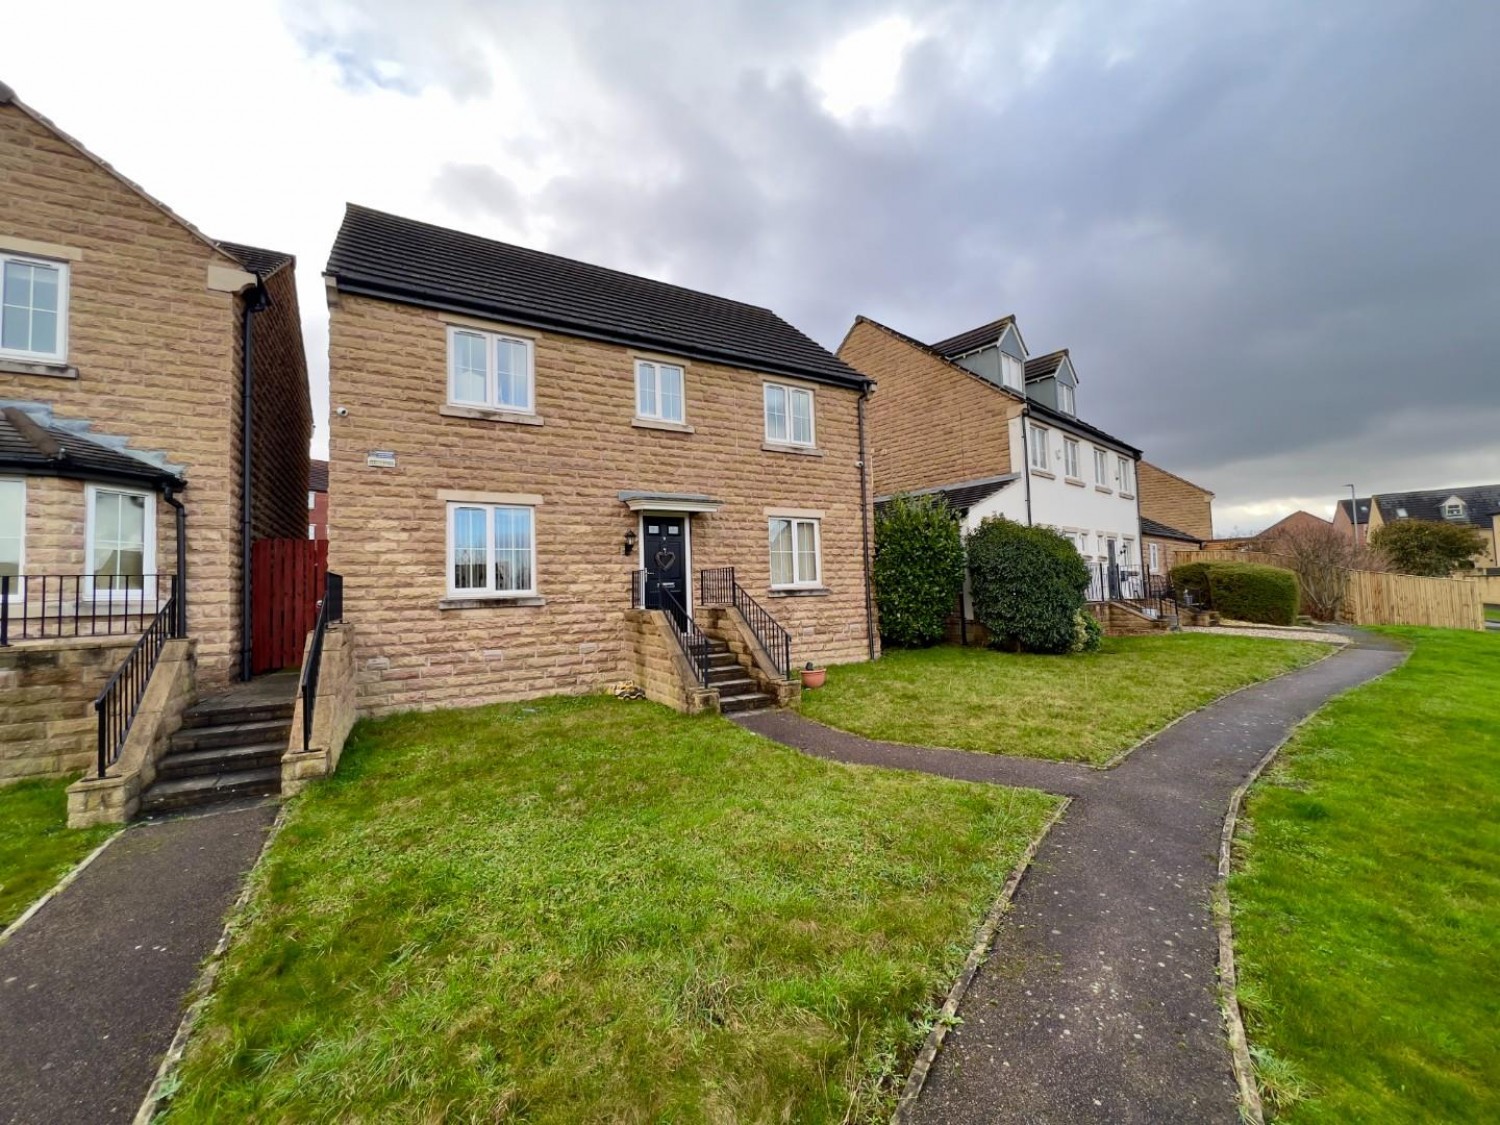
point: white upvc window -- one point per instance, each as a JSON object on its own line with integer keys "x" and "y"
{"x": 789, "y": 415}
{"x": 1126, "y": 469}
{"x": 1012, "y": 372}
{"x": 33, "y": 308}
{"x": 12, "y": 527}
{"x": 1101, "y": 467}
{"x": 1155, "y": 552}
{"x": 796, "y": 554}
{"x": 1127, "y": 552}
{"x": 312, "y": 500}
{"x": 1071, "y": 463}
{"x": 1454, "y": 511}
{"x": 312, "y": 531}
{"x": 1040, "y": 457}
{"x": 659, "y": 391}
{"x": 490, "y": 369}
{"x": 120, "y": 539}
{"x": 491, "y": 550}
{"x": 1065, "y": 401}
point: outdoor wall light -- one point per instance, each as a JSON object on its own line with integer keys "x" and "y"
{"x": 629, "y": 544}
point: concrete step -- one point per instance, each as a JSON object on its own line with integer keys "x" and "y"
{"x": 723, "y": 659}
{"x": 740, "y": 685}
{"x": 212, "y": 714}
{"x": 190, "y": 792}
{"x": 745, "y": 701}
{"x": 726, "y": 671}
{"x": 223, "y": 759}
{"x": 232, "y": 734}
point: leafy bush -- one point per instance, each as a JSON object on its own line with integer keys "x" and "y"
{"x": 1427, "y": 547}
{"x": 1087, "y": 632}
{"x": 1267, "y": 595}
{"x": 919, "y": 569}
{"x": 1190, "y": 582}
{"x": 1028, "y": 586}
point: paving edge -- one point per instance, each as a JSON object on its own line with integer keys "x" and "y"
{"x": 203, "y": 988}
{"x": 1251, "y": 1109}
{"x": 56, "y": 889}
{"x": 917, "y": 1077}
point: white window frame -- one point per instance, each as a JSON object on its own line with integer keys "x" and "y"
{"x": 312, "y": 499}
{"x": 1154, "y": 552}
{"x": 1125, "y": 473}
{"x": 312, "y": 531}
{"x": 491, "y": 399}
{"x": 812, "y": 415}
{"x": 656, "y": 415}
{"x": 1127, "y": 551}
{"x": 798, "y": 581}
{"x": 1012, "y": 371}
{"x": 21, "y": 553}
{"x": 1453, "y": 511}
{"x": 63, "y": 284}
{"x": 488, "y": 589}
{"x": 1039, "y": 452}
{"x": 148, "y": 547}
{"x": 1101, "y": 467}
{"x": 1072, "y": 458}
{"x": 1066, "y": 401}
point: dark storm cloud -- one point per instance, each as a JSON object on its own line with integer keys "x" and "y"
{"x": 1265, "y": 231}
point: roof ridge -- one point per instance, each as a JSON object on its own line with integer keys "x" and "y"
{"x": 1175, "y": 476}
{"x": 931, "y": 350}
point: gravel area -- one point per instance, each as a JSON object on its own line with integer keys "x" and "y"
{"x": 1271, "y": 632}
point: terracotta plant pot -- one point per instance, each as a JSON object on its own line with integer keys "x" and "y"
{"x": 814, "y": 677}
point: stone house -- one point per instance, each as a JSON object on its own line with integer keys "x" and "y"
{"x": 1473, "y": 506}
{"x": 127, "y": 343}
{"x": 1176, "y": 515}
{"x": 317, "y": 499}
{"x": 542, "y": 472}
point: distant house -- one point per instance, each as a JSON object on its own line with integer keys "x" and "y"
{"x": 1361, "y": 518}
{"x": 1297, "y": 521}
{"x": 317, "y": 499}
{"x": 1164, "y": 544}
{"x": 1476, "y": 506}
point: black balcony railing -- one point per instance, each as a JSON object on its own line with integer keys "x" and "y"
{"x": 692, "y": 640}
{"x": 118, "y": 702}
{"x": 719, "y": 587}
{"x": 50, "y": 606}
{"x": 1115, "y": 583}
{"x": 330, "y": 609}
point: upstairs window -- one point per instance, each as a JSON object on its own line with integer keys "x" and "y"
{"x": 490, "y": 370}
{"x": 1040, "y": 457}
{"x": 1065, "y": 399}
{"x": 1071, "y": 459}
{"x": 789, "y": 415}
{"x": 659, "y": 391}
{"x": 1454, "y": 510}
{"x": 1126, "y": 468}
{"x": 1012, "y": 372}
{"x": 1101, "y": 468}
{"x": 491, "y": 550}
{"x": 795, "y": 553}
{"x": 33, "y": 309}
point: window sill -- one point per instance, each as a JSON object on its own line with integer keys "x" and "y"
{"x": 1044, "y": 474}
{"x": 1127, "y": 496}
{"x": 784, "y": 447}
{"x": 492, "y": 601}
{"x": 29, "y": 367}
{"x": 1106, "y": 491}
{"x": 489, "y": 414}
{"x": 662, "y": 424}
{"x": 1074, "y": 481}
{"x": 801, "y": 592}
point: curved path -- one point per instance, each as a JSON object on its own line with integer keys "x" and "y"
{"x": 1099, "y": 1000}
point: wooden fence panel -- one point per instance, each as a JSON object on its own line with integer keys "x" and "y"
{"x": 1259, "y": 557}
{"x": 286, "y": 581}
{"x": 1404, "y": 599}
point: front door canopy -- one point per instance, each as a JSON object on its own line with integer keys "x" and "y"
{"x": 641, "y": 501}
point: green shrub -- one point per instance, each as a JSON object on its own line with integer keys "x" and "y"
{"x": 1267, "y": 595}
{"x": 1427, "y": 547}
{"x": 1028, "y": 586}
{"x": 919, "y": 569}
{"x": 1190, "y": 582}
{"x": 1088, "y": 634}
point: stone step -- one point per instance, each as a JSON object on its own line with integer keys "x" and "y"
{"x": 232, "y": 734}
{"x": 747, "y": 701}
{"x": 212, "y": 714}
{"x": 223, "y": 759}
{"x": 190, "y": 792}
{"x": 740, "y": 685}
{"x": 723, "y": 659}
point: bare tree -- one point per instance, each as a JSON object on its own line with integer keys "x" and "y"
{"x": 1321, "y": 558}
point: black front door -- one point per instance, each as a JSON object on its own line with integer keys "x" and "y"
{"x": 665, "y": 563}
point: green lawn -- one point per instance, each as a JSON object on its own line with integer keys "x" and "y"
{"x": 36, "y": 845}
{"x": 1367, "y": 908}
{"x": 583, "y": 909}
{"x": 1492, "y": 613}
{"x": 1085, "y": 708}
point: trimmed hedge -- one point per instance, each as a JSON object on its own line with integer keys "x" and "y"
{"x": 1028, "y": 586}
{"x": 919, "y": 569}
{"x": 1265, "y": 595}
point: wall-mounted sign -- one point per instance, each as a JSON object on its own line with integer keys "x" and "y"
{"x": 381, "y": 458}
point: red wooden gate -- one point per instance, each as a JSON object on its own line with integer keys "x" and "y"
{"x": 286, "y": 581}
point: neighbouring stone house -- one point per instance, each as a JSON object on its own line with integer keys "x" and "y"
{"x": 317, "y": 499}
{"x": 123, "y": 368}
{"x": 1474, "y": 506}
{"x": 1176, "y": 516}
{"x": 541, "y": 468}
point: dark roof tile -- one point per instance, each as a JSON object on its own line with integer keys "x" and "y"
{"x": 262, "y": 263}
{"x": 1162, "y": 531}
{"x": 974, "y": 338}
{"x": 1480, "y": 501}
{"x": 1044, "y": 365}
{"x": 317, "y": 476}
{"x": 32, "y": 442}
{"x": 963, "y": 496}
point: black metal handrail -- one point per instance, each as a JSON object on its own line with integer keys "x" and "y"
{"x": 1114, "y": 583}
{"x": 117, "y": 704}
{"x": 719, "y": 587}
{"x": 41, "y": 606}
{"x": 693, "y": 640}
{"x": 330, "y": 608}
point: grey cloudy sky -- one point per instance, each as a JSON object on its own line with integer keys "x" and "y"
{"x": 1266, "y": 231}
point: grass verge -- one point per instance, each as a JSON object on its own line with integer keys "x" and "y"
{"x": 37, "y": 848}
{"x": 1085, "y": 708}
{"x": 583, "y": 909}
{"x": 1367, "y": 900}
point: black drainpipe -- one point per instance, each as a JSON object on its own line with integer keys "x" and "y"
{"x": 1026, "y": 458}
{"x": 170, "y": 497}
{"x": 255, "y": 302}
{"x": 864, "y": 516}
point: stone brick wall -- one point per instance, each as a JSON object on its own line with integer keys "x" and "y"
{"x": 47, "y": 692}
{"x": 931, "y": 422}
{"x": 282, "y": 422}
{"x": 1178, "y": 503}
{"x": 333, "y": 714}
{"x": 659, "y": 669}
{"x": 1169, "y": 548}
{"x": 387, "y": 527}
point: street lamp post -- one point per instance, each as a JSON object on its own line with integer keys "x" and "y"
{"x": 1353, "y": 513}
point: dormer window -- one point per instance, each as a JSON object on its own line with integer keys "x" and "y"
{"x": 1453, "y": 509}
{"x": 1012, "y": 371}
{"x": 1065, "y": 399}
{"x": 33, "y": 309}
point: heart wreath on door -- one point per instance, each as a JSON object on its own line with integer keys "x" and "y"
{"x": 665, "y": 559}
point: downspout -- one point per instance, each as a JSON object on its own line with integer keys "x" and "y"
{"x": 170, "y": 497}
{"x": 864, "y": 516}
{"x": 254, "y": 303}
{"x": 1026, "y": 458}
